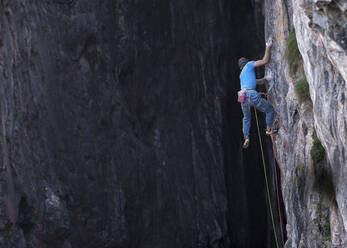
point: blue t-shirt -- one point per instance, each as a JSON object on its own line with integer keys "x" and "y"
{"x": 247, "y": 76}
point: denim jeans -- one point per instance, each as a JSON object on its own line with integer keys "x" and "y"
{"x": 263, "y": 105}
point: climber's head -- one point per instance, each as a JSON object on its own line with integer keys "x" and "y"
{"x": 242, "y": 62}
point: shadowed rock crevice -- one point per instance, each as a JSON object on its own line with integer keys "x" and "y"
{"x": 25, "y": 217}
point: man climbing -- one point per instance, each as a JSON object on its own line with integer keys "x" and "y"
{"x": 252, "y": 98}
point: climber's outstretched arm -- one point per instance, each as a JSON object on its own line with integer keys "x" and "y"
{"x": 261, "y": 81}
{"x": 266, "y": 57}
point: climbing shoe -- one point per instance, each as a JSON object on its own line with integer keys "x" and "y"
{"x": 245, "y": 143}
{"x": 268, "y": 132}
{"x": 271, "y": 131}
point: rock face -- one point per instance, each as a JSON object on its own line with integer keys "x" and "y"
{"x": 120, "y": 127}
{"x": 315, "y": 192}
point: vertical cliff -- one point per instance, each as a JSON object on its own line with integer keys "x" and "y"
{"x": 120, "y": 127}
{"x": 309, "y": 64}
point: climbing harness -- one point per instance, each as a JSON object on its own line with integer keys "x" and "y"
{"x": 267, "y": 184}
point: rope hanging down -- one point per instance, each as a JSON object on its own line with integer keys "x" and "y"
{"x": 275, "y": 170}
{"x": 277, "y": 191}
{"x": 266, "y": 180}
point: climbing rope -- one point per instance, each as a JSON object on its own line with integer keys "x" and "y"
{"x": 266, "y": 181}
{"x": 277, "y": 191}
{"x": 274, "y": 164}
{"x": 275, "y": 171}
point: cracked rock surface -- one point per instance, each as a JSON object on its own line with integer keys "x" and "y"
{"x": 314, "y": 192}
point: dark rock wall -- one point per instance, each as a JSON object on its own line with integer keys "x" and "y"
{"x": 120, "y": 128}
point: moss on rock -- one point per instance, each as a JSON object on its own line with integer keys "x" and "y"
{"x": 317, "y": 150}
{"x": 292, "y": 53}
{"x": 302, "y": 90}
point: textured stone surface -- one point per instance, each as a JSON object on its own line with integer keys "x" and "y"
{"x": 316, "y": 214}
{"x": 120, "y": 127}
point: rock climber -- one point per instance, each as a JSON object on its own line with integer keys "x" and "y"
{"x": 251, "y": 97}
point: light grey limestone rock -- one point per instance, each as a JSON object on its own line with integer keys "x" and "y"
{"x": 315, "y": 218}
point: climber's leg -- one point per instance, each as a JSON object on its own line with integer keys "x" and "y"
{"x": 265, "y": 106}
{"x": 246, "y": 121}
